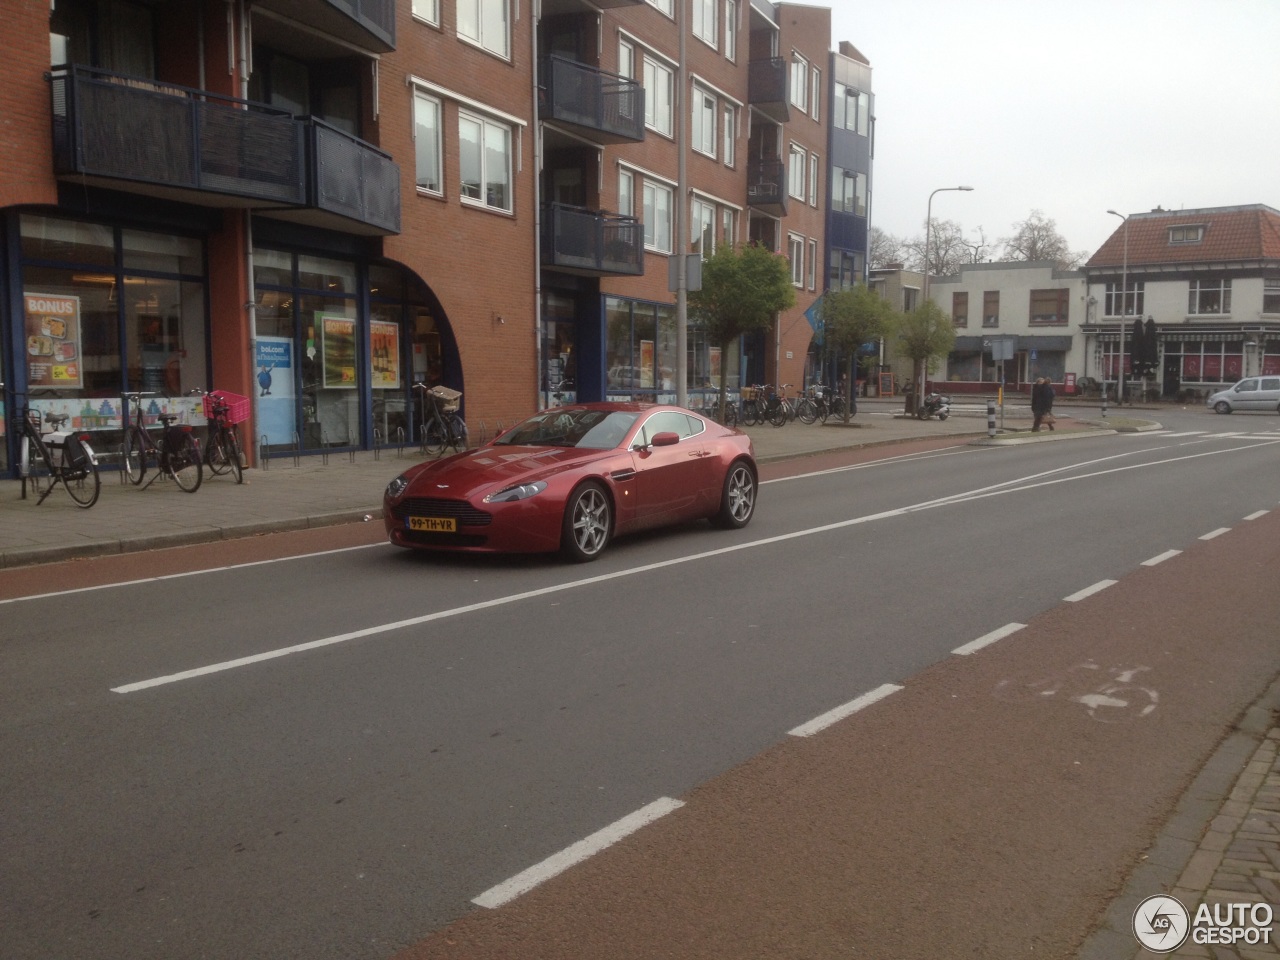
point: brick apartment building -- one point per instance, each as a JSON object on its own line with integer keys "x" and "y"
{"x": 317, "y": 203}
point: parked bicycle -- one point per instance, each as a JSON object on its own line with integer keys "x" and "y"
{"x": 441, "y": 426}
{"x": 755, "y": 402}
{"x": 58, "y": 456}
{"x": 175, "y": 454}
{"x": 222, "y": 451}
{"x": 781, "y": 408}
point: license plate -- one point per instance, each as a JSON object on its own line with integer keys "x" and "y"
{"x": 434, "y": 524}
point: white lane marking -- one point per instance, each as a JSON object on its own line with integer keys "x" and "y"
{"x": 1161, "y": 558}
{"x": 927, "y": 455}
{"x": 526, "y": 880}
{"x": 1215, "y": 533}
{"x": 839, "y": 713}
{"x": 1256, "y": 514}
{"x": 1089, "y": 591}
{"x": 981, "y": 493}
{"x": 987, "y": 639}
{"x": 189, "y": 573}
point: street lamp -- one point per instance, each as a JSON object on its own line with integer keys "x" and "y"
{"x": 928, "y": 226}
{"x": 1124, "y": 305}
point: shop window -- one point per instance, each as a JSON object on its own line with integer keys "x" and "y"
{"x": 48, "y": 238}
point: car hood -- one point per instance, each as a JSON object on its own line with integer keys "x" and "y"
{"x": 493, "y": 468}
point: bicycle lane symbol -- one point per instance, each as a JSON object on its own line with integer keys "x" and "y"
{"x": 1108, "y": 694}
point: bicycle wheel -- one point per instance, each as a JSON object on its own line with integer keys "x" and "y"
{"x": 184, "y": 463}
{"x": 730, "y": 414}
{"x": 457, "y": 432}
{"x": 83, "y": 484}
{"x": 434, "y": 437}
{"x": 215, "y": 456}
{"x": 806, "y": 411}
{"x": 750, "y": 413}
{"x": 231, "y": 449}
{"x": 779, "y": 415}
{"x": 135, "y": 455}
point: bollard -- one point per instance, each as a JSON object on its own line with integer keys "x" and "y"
{"x": 1104, "y": 402}
{"x": 991, "y": 418}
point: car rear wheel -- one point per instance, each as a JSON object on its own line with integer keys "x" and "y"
{"x": 1222, "y": 407}
{"x": 738, "y": 499}
{"x": 588, "y": 524}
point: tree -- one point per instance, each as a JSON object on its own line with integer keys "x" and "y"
{"x": 851, "y": 318}
{"x": 947, "y": 249}
{"x": 885, "y": 248}
{"x": 926, "y": 334}
{"x": 743, "y": 289}
{"x": 1037, "y": 238}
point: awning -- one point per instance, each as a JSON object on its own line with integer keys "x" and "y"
{"x": 1023, "y": 342}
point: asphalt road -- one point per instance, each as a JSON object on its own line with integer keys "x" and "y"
{"x": 334, "y": 755}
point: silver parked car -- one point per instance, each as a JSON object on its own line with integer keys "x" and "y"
{"x": 1251, "y": 393}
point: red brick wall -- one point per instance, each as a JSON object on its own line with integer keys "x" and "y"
{"x": 26, "y": 149}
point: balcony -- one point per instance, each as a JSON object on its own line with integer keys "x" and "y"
{"x": 767, "y": 88}
{"x": 352, "y": 179}
{"x": 374, "y": 20}
{"x": 174, "y": 142}
{"x": 767, "y": 187}
{"x": 591, "y": 243}
{"x": 604, "y": 107}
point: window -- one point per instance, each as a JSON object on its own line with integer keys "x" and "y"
{"x": 1133, "y": 305}
{"x": 1186, "y": 234}
{"x": 428, "y": 10}
{"x": 960, "y": 308}
{"x": 730, "y": 132}
{"x": 1209, "y": 296}
{"x": 702, "y": 227}
{"x": 426, "y": 135}
{"x": 813, "y": 264}
{"x": 813, "y": 179}
{"x": 657, "y": 217}
{"x": 484, "y": 155}
{"x": 704, "y": 122}
{"x": 800, "y": 82}
{"x": 731, "y": 29}
{"x": 1049, "y": 306}
{"x": 795, "y": 250}
{"x": 795, "y": 172}
{"x": 485, "y": 23}
{"x": 727, "y": 226}
{"x": 626, "y": 59}
{"x": 991, "y": 308}
{"x": 846, "y": 270}
{"x": 666, "y": 6}
{"x": 1271, "y": 296}
{"x": 848, "y": 192}
{"x": 658, "y": 90}
{"x": 626, "y": 193}
{"x": 851, "y": 110}
{"x": 815, "y": 95}
{"x": 704, "y": 20}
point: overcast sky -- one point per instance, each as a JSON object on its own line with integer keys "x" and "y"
{"x": 1070, "y": 108}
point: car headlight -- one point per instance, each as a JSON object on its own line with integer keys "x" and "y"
{"x": 523, "y": 492}
{"x": 397, "y": 487}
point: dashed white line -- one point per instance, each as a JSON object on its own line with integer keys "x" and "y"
{"x": 1215, "y": 533}
{"x": 1256, "y": 514}
{"x": 839, "y": 713}
{"x": 526, "y": 880}
{"x": 1089, "y": 591}
{"x": 987, "y": 639}
{"x": 1161, "y": 558}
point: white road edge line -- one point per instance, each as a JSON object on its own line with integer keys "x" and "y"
{"x": 1161, "y": 558}
{"x": 1090, "y": 591}
{"x": 973, "y": 646}
{"x": 557, "y": 863}
{"x": 839, "y": 713}
{"x": 1215, "y": 533}
{"x": 1256, "y": 514}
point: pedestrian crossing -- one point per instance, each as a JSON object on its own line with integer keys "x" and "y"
{"x": 1210, "y": 435}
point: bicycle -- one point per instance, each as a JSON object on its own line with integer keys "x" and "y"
{"x": 223, "y": 453}
{"x": 441, "y": 427}
{"x": 780, "y": 407}
{"x": 754, "y": 404}
{"x": 65, "y": 455}
{"x": 175, "y": 455}
{"x": 807, "y": 410}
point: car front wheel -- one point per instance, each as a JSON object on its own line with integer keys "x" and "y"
{"x": 588, "y": 524}
{"x": 1222, "y": 407}
{"x": 738, "y": 498}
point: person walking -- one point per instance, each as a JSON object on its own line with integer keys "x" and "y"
{"x": 1046, "y": 416}
{"x": 1041, "y": 403}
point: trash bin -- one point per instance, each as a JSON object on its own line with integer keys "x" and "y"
{"x": 909, "y": 399}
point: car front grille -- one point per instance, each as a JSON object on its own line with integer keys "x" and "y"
{"x": 460, "y": 510}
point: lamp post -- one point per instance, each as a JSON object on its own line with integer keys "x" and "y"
{"x": 1124, "y": 306}
{"x": 928, "y": 227}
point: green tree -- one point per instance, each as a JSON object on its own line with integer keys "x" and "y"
{"x": 851, "y": 318}
{"x": 926, "y": 334}
{"x": 743, "y": 289}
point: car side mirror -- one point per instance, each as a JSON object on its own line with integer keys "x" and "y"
{"x": 665, "y": 439}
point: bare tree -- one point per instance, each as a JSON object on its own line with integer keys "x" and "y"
{"x": 884, "y": 248}
{"x": 1037, "y": 238}
{"x": 947, "y": 250}
{"x": 977, "y": 248}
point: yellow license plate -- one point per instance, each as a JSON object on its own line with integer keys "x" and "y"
{"x": 434, "y": 524}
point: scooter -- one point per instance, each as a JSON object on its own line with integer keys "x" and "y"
{"x": 934, "y": 405}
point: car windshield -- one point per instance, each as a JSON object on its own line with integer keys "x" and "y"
{"x": 571, "y": 427}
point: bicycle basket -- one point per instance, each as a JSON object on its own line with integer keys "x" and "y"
{"x": 237, "y": 406}
{"x": 449, "y": 400}
{"x": 748, "y": 393}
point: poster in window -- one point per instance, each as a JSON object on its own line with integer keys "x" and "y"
{"x": 337, "y": 351}
{"x": 384, "y": 354}
{"x": 52, "y": 324}
{"x": 713, "y": 363}
{"x": 646, "y": 363}
{"x": 275, "y": 397}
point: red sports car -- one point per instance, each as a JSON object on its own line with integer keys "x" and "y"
{"x": 571, "y": 478}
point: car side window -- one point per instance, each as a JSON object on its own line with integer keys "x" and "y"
{"x": 1271, "y": 383}
{"x": 1246, "y": 385}
{"x": 665, "y": 421}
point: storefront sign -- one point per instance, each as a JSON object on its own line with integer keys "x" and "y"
{"x": 338, "y": 351}
{"x": 53, "y": 340}
{"x": 384, "y": 354}
{"x": 274, "y": 398}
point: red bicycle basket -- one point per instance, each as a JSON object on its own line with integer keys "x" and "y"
{"x": 237, "y": 406}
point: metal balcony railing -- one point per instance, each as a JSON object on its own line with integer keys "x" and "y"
{"x": 352, "y": 178}
{"x": 767, "y": 186}
{"x": 609, "y": 108}
{"x": 767, "y": 83}
{"x": 591, "y": 242}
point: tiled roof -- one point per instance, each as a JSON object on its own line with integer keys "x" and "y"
{"x": 1230, "y": 233}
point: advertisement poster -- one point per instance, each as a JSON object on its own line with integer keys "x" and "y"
{"x": 53, "y": 340}
{"x": 337, "y": 351}
{"x": 713, "y": 358}
{"x": 384, "y": 354}
{"x": 274, "y": 397}
{"x": 646, "y": 363}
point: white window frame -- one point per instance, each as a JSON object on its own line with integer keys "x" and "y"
{"x": 797, "y": 164}
{"x": 703, "y": 121}
{"x": 799, "y": 82}
{"x": 703, "y": 14}
{"x": 702, "y": 223}
{"x": 730, "y": 134}
{"x": 656, "y": 239}
{"x": 728, "y": 226}
{"x": 483, "y": 34}
{"x": 813, "y": 264}
{"x": 795, "y": 253}
{"x": 813, "y": 179}
{"x": 658, "y": 114}
{"x": 731, "y": 30}
{"x": 486, "y": 124}
{"x": 427, "y": 10}
{"x": 422, "y": 101}
{"x": 666, "y": 6}
{"x": 627, "y": 59}
{"x": 816, "y": 94}
{"x": 1197, "y": 288}
{"x": 626, "y": 193}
